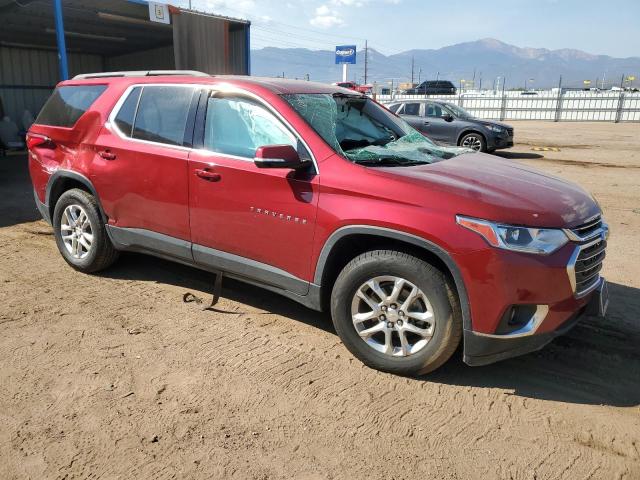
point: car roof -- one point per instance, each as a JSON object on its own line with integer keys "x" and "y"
{"x": 421, "y": 100}
{"x": 278, "y": 86}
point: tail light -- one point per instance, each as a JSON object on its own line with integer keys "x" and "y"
{"x": 39, "y": 140}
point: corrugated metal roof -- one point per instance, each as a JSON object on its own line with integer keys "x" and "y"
{"x": 104, "y": 27}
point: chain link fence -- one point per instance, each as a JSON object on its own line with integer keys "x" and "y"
{"x": 558, "y": 106}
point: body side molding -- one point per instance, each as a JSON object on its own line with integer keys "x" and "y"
{"x": 250, "y": 269}
{"x": 140, "y": 240}
{"x": 205, "y": 258}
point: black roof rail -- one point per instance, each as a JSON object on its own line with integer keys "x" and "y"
{"x": 140, "y": 73}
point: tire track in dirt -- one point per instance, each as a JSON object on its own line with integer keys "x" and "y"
{"x": 270, "y": 382}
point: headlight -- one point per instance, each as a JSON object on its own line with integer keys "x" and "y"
{"x": 494, "y": 128}
{"x": 542, "y": 241}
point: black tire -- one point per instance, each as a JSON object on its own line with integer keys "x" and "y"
{"x": 442, "y": 297}
{"x": 476, "y": 139}
{"x": 101, "y": 254}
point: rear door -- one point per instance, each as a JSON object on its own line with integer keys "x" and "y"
{"x": 255, "y": 222}
{"x": 141, "y": 162}
{"x": 411, "y": 112}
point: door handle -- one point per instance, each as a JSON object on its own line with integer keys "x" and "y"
{"x": 207, "y": 175}
{"x": 107, "y": 155}
{"x": 426, "y": 123}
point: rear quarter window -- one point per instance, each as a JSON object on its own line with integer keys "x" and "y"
{"x": 127, "y": 114}
{"x": 67, "y": 104}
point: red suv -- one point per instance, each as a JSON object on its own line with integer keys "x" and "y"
{"x": 320, "y": 194}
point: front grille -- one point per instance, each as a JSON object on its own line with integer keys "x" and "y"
{"x": 587, "y": 230}
{"x": 586, "y": 262}
{"x": 588, "y": 265}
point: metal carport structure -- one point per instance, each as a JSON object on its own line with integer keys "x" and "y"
{"x": 107, "y": 35}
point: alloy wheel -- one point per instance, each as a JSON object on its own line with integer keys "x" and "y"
{"x": 76, "y": 231}
{"x": 393, "y": 316}
{"x": 473, "y": 142}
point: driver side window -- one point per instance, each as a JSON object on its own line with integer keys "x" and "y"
{"x": 238, "y": 126}
{"x": 434, "y": 110}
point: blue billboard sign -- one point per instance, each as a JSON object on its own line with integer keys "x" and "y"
{"x": 346, "y": 54}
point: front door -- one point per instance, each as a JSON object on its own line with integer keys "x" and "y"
{"x": 411, "y": 113}
{"x": 436, "y": 127}
{"x": 250, "y": 221}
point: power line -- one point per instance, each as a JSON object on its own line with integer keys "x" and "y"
{"x": 305, "y": 29}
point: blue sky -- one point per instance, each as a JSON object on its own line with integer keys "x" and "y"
{"x": 392, "y": 26}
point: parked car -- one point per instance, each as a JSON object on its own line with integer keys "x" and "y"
{"x": 449, "y": 124}
{"x": 324, "y": 197}
{"x": 433, "y": 87}
{"x": 355, "y": 87}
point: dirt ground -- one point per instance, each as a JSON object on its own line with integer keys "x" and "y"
{"x": 113, "y": 376}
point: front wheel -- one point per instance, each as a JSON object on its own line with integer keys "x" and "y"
{"x": 474, "y": 141}
{"x": 396, "y": 313}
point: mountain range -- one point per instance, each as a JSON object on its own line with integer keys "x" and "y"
{"x": 484, "y": 59}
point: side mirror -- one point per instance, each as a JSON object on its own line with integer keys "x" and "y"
{"x": 278, "y": 156}
{"x": 448, "y": 117}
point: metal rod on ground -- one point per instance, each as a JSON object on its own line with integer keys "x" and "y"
{"x": 62, "y": 47}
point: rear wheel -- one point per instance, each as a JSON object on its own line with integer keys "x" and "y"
{"x": 80, "y": 233}
{"x": 396, "y": 313}
{"x": 474, "y": 141}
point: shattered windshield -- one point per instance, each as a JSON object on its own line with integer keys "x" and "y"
{"x": 366, "y": 133}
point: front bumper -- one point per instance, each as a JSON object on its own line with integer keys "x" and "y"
{"x": 483, "y": 349}
{"x": 502, "y": 142}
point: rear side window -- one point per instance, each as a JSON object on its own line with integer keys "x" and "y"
{"x": 162, "y": 114}
{"x": 394, "y": 108}
{"x": 127, "y": 114}
{"x": 67, "y": 104}
{"x": 411, "y": 109}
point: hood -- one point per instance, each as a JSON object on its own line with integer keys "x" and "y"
{"x": 492, "y": 122}
{"x": 484, "y": 186}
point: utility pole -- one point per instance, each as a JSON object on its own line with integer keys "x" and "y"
{"x": 366, "y": 60}
{"x": 413, "y": 64}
